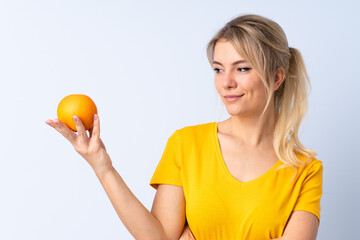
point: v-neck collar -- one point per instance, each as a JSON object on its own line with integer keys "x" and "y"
{"x": 223, "y": 165}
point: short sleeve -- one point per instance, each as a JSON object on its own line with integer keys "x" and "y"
{"x": 168, "y": 168}
{"x": 311, "y": 191}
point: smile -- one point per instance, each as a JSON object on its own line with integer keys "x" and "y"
{"x": 232, "y": 99}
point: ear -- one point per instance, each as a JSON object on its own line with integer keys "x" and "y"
{"x": 279, "y": 77}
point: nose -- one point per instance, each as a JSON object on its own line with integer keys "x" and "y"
{"x": 229, "y": 80}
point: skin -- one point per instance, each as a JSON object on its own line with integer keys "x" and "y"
{"x": 245, "y": 112}
{"x": 187, "y": 234}
{"x": 91, "y": 147}
{"x": 246, "y": 142}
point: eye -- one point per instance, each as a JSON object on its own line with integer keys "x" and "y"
{"x": 244, "y": 69}
{"x": 217, "y": 70}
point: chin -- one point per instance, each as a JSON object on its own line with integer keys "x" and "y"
{"x": 234, "y": 113}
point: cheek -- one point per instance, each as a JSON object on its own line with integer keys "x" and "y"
{"x": 250, "y": 84}
{"x": 253, "y": 85}
{"x": 255, "y": 93}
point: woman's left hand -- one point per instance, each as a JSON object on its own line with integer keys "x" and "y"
{"x": 187, "y": 234}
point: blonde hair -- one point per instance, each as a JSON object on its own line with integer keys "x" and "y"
{"x": 263, "y": 43}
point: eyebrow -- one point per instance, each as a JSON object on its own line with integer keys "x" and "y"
{"x": 234, "y": 63}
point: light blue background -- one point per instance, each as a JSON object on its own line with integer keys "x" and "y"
{"x": 144, "y": 64}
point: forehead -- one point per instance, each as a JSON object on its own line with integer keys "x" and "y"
{"x": 225, "y": 52}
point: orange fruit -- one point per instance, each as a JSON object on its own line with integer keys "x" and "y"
{"x": 80, "y": 105}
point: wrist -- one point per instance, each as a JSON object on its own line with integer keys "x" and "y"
{"x": 101, "y": 173}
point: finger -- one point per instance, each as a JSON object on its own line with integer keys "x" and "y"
{"x": 80, "y": 128}
{"x": 101, "y": 142}
{"x": 95, "y": 130}
{"x": 90, "y": 131}
{"x": 63, "y": 129}
{"x": 192, "y": 235}
{"x": 190, "y": 232}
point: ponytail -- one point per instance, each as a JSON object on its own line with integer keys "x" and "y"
{"x": 291, "y": 107}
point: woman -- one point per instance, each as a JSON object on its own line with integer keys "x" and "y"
{"x": 248, "y": 177}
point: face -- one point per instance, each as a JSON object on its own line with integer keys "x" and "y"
{"x": 235, "y": 76}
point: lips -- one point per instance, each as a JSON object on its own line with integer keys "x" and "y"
{"x": 233, "y": 99}
{"x": 233, "y": 96}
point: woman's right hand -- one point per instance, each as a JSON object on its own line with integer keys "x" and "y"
{"x": 92, "y": 149}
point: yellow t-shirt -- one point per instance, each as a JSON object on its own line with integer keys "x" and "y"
{"x": 218, "y": 206}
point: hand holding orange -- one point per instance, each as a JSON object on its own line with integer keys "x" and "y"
{"x": 80, "y": 105}
{"x": 90, "y": 147}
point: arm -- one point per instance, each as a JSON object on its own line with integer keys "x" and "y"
{"x": 167, "y": 217}
{"x": 169, "y": 203}
{"x": 136, "y": 218}
{"x": 302, "y": 225}
{"x": 169, "y": 209}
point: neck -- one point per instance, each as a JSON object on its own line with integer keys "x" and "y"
{"x": 251, "y": 131}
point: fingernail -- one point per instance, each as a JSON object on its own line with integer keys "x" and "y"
{"x": 56, "y": 122}
{"x": 95, "y": 116}
{"x": 74, "y": 117}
